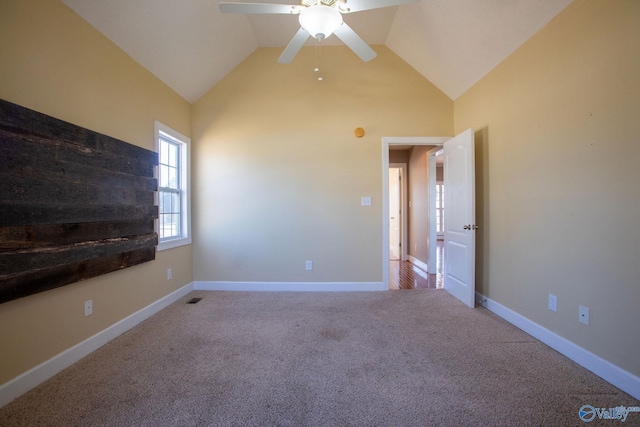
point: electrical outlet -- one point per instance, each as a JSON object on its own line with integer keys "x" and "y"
{"x": 309, "y": 265}
{"x": 169, "y": 274}
{"x": 553, "y": 303}
{"x": 583, "y": 314}
{"x": 88, "y": 308}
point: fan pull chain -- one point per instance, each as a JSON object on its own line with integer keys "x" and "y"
{"x": 317, "y": 69}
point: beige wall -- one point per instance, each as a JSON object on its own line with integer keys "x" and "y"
{"x": 399, "y": 156}
{"x": 279, "y": 173}
{"x": 558, "y": 177}
{"x": 54, "y": 62}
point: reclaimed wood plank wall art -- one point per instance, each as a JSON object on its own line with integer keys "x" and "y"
{"x": 74, "y": 203}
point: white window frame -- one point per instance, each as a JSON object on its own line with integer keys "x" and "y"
{"x": 161, "y": 130}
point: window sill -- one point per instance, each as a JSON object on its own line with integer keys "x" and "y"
{"x": 173, "y": 243}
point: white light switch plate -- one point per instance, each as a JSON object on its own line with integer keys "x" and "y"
{"x": 365, "y": 201}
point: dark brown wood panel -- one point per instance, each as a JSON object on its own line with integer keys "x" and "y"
{"x": 80, "y": 152}
{"x": 15, "y": 262}
{"x": 40, "y": 280}
{"x": 27, "y": 158}
{"x": 16, "y": 213}
{"x": 50, "y": 131}
{"x": 36, "y": 190}
{"x": 74, "y": 203}
{"x": 42, "y": 235}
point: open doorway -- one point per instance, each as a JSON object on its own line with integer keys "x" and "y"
{"x": 413, "y": 270}
{"x": 459, "y": 213}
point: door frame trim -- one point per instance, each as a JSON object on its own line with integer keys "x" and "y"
{"x": 386, "y": 142}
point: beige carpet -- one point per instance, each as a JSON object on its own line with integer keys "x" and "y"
{"x": 400, "y": 358}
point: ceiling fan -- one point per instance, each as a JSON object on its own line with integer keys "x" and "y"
{"x": 318, "y": 19}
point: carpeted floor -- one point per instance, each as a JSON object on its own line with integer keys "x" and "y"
{"x": 401, "y": 358}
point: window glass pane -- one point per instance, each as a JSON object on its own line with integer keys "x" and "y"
{"x": 164, "y": 151}
{"x": 160, "y": 202}
{"x": 166, "y": 202}
{"x": 171, "y": 158}
{"x": 172, "y": 228}
{"x": 176, "y": 225}
{"x": 175, "y": 203}
{"x": 172, "y": 178}
{"x": 162, "y": 226}
{"x": 167, "y": 225}
{"x": 164, "y": 175}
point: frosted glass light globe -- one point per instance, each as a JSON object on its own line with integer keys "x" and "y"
{"x": 320, "y": 21}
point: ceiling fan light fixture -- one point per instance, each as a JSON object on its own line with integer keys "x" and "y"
{"x": 320, "y": 21}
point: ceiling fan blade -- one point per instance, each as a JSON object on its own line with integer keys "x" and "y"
{"x": 294, "y": 46}
{"x": 355, "y": 43}
{"x": 260, "y": 8}
{"x": 351, "y": 6}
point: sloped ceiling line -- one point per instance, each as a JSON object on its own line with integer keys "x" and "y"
{"x": 191, "y": 46}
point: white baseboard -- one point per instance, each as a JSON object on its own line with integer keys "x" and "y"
{"x": 39, "y": 374}
{"x": 421, "y": 265}
{"x": 606, "y": 370}
{"x": 290, "y": 286}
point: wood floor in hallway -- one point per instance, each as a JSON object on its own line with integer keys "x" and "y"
{"x": 405, "y": 275}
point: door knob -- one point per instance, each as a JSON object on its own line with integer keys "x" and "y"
{"x": 467, "y": 227}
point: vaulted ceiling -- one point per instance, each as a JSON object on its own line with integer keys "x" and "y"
{"x": 190, "y": 45}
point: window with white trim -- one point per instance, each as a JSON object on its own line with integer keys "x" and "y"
{"x": 174, "y": 220}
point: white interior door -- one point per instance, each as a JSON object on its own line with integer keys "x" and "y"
{"x": 394, "y": 214}
{"x": 460, "y": 217}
